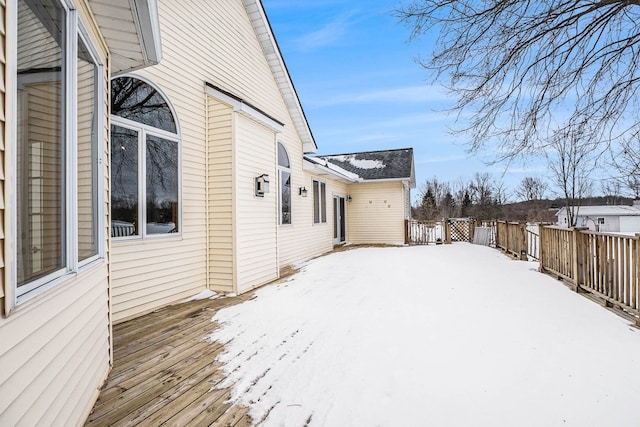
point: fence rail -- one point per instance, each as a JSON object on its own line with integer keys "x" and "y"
{"x": 605, "y": 265}
{"x": 511, "y": 237}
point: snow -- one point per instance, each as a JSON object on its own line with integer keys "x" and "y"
{"x": 445, "y": 335}
{"x": 360, "y": 163}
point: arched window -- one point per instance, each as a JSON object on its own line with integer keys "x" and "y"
{"x": 284, "y": 182}
{"x": 145, "y": 159}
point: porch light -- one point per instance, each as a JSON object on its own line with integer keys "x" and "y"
{"x": 262, "y": 185}
{"x": 348, "y": 198}
{"x": 302, "y": 191}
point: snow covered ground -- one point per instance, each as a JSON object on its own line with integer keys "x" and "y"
{"x": 449, "y": 335}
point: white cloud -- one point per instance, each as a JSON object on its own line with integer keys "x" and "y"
{"x": 408, "y": 94}
{"x": 331, "y": 33}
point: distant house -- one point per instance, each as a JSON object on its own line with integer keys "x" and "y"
{"x": 604, "y": 218}
{"x": 152, "y": 150}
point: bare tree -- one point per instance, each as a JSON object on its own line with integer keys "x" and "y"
{"x": 570, "y": 160}
{"x": 487, "y": 195}
{"x": 627, "y": 165}
{"x": 612, "y": 191}
{"x": 519, "y": 67}
{"x": 531, "y": 188}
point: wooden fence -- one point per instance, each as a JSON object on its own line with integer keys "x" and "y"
{"x": 604, "y": 265}
{"x": 511, "y": 237}
{"x": 426, "y": 232}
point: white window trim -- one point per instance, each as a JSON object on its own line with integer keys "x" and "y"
{"x": 143, "y": 130}
{"x": 321, "y": 203}
{"x": 101, "y": 242}
{"x": 74, "y": 29}
{"x": 280, "y": 184}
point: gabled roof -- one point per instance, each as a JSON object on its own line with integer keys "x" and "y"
{"x": 271, "y": 50}
{"x": 385, "y": 165}
{"x": 131, "y": 29}
{"x": 619, "y": 210}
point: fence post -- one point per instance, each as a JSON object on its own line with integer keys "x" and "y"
{"x": 447, "y": 232}
{"x": 523, "y": 241}
{"x": 406, "y": 231}
{"x": 541, "y": 242}
{"x": 575, "y": 269}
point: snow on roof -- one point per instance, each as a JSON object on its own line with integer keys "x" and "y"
{"x": 376, "y": 165}
{"x": 320, "y": 162}
{"x": 620, "y": 210}
{"x": 359, "y": 163}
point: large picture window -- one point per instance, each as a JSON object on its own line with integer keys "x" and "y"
{"x": 319, "y": 202}
{"x": 284, "y": 181}
{"x": 57, "y": 174}
{"x": 145, "y": 158}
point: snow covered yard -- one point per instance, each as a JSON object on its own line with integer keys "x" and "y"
{"x": 450, "y": 335}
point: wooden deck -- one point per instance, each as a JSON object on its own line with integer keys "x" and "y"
{"x": 164, "y": 373}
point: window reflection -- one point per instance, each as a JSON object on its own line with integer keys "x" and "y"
{"x": 162, "y": 185}
{"x": 124, "y": 182}
{"x": 87, "y": 154}
{"x": 136, "y": 100}
{"x": 40, "y": 139}
{"x": 144, "y": 161}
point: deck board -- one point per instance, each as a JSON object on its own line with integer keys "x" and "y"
{"x": 165, "y": 373}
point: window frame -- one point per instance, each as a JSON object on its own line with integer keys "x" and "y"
{"x": 74, "y": 29}
{"x": 281, "y": 171}
{"x": 321, "y": 200}
{"x": 143, "y": 130}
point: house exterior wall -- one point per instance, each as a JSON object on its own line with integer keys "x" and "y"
{"x": 304, "y": 239}
{"x": 256, "y": 217}
{"x": 215, "y": 44}
{"x": 630, "y": 224}
{"x": 55, "y": 347}
{"x": 220, "y": 186}
{"x": 611, "y": 223}
{"x": 376, "y": 213}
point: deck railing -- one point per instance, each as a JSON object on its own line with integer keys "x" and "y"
{"x": 605, "y": 265}
{"x": 511, "y": 237}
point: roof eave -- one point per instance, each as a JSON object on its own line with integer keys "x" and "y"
{"x": 148, "y": 21}
{"x": 312, "y": 165}
{"x": 271, "y": 50}
{"x": 131, "y": 30}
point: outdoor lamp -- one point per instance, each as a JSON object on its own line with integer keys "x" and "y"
{"x": 262, "y": 185}
{"x": 302, "y": 191}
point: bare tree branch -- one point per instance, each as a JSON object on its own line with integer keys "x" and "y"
{"x": 527, "y": 69}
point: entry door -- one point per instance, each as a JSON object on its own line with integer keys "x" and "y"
{"x": 339, "y": 217}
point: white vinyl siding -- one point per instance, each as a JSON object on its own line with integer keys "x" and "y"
{"x": 221, "y": 184}
{"x": 54, "y": 354}
{"x": 215, "y": 44}
{"x": 305, "y": 239}
{"x": 54, "y": 348}
{"x": 376, "y": 213}
{"x": 256, "y": 216}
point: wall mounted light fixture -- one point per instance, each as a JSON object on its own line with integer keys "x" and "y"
{"x": 302, "y": 191}
{"x": 349, "y": 198}
{"x": 262, "y": 185}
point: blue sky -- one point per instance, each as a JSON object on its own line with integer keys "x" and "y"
{"x": 362, "y": 89}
